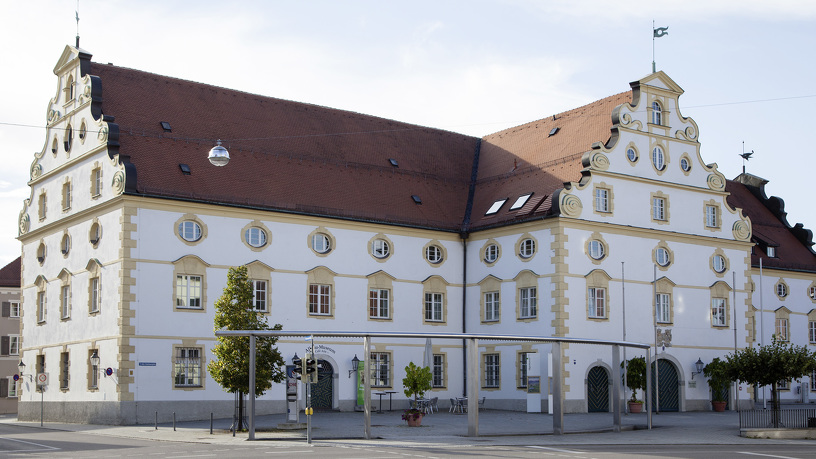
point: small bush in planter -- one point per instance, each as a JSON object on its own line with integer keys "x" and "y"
{"x": 635, "y": 376}
{"x": 718, "y": 380}
{"x": 417, "y": 381}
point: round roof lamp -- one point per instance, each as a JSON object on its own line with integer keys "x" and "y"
{"x": 219, "y": 156}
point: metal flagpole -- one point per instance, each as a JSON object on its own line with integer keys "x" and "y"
{"x": 623, "y": 303}
{"x": 734, "y": 299}
{"x": 657, "y": 371}
{"x": 761, "y": 327}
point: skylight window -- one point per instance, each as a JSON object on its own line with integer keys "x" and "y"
{"x": 417, "y": 199}
{"x": 521, "y": 201}
{"x": 185, "y": 169}
{"x": 393, "y": 162}
{"x": 166, "y": 126}
{"x": 554, "y": 131}
{"x": 496, "y": 206}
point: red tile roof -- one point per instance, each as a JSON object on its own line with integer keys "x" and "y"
{"x": 769, "y": 226}
{"x": 10, "y": 274}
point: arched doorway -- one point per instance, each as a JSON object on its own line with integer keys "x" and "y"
{"x": 322, "y": 391}
{"x": 598, "y": 390}
{"x": 668, "y": 389}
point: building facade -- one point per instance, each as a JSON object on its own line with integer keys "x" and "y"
{"x": 9, "y": 336}
{"x": 603, "y": 221}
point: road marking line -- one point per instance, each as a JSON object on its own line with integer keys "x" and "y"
{"x": 557, "y": 449}
{"x": 765, "y": 455}
{"x": 47, "y": 448}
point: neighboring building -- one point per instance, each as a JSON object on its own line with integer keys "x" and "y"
{"x": 9, "y": 335}
{"x": 352, "y": 222}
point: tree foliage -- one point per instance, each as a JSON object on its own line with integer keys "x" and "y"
{"x": 718, "y": 378}
{"x": 769, "y": 364}
{"x": 417, "y": 381}
{"x": 635, "y": 375}
{"x": 234, "y": 311}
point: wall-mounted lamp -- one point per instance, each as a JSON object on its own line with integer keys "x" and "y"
{"x": 699, "y": 366}
{"x": 355, "y": 364}
{"x": 21, "y": 366}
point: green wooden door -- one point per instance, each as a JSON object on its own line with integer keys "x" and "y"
{"x": 668, "y": 390}
{"x": 322, "y": 391}
{"x": 598, "y": 390}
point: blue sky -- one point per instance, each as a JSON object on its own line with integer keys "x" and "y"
{"x": 474, "y": 67}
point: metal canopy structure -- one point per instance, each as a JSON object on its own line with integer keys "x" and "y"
{"x": 472, "y": 349}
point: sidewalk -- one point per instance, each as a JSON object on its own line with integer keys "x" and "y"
{"x": 495, "y": 428}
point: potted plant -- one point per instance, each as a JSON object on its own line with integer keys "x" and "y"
{"x": 718, "y": 381}
{"x": 636, "y": 380}
{"x": 417, "y": 381}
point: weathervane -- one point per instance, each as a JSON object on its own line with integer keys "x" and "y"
{"x": 657, "y": 33}
{"x": 77, "y": 19}
{"x": 745, "y": 156}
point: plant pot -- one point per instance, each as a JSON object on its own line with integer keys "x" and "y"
{"x": 635, "y": 407}
{"x": 415, "y": 421}
{"x": 718, "y": 406}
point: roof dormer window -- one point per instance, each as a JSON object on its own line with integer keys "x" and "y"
{"x": 770, "y": 251}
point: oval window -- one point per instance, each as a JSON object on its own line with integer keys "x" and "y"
{"x": 380, "y": 248}
{"x": 527, "y": 248}
{"x": 491, "y": 253}
{"x": 433, "y": 254}
{"x": 255, "y": 237}
{"x": 321, "y": 243}
{"x": 662, "y": 256}
{"x": 65, "y": 245}
{"x": 658, "y": 159}
{"x": 596, "y": 249}
{"x": 685, "y": 164}
{"x": 719, "y": 263}
{"x": 631, "y": 154}
{"x": 189, "y": 230}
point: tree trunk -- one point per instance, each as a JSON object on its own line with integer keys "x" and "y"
{"x": 240, "y": 426}
{"x": 775, "y": 405}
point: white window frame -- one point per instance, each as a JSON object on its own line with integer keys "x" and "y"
{"x": 13, "y": 388}
{"x": 65, "y": 302}
{"x": 812, "y": 336}
{"x": 259, "y": 289}
{"x": 663, "y": 308}
{"x": 601, "y": 200}
{"x": 659, "y": 209}
{"x": 492, "y": 372}
{"x": 662, "y": 256}
{"x": 657, "y": 113}
{"x": 320, "y": 299}
{"x": 321, "y": 243}
{"x": 658, "y": 158}
{"x": 379, "y": 303}
{"x": 96, "y": 182}
{"x": 434, "y": 307}
{"x": 527, "y": 303}
{"x": 255, "y": 237}
{"x": 719, "y": 263}
{"x": 711, "y": 217}
{"x": 782, "y": 330}
{"x": 66, "y": 196}
{"x": 94, "y": 294}
{"x": 812, "y": 293}
{"x": 438, "y": 371}
{"x": 596, "y": 249}
{"x": 433, "y": 254}
{"x": 380, "y": 369}
{"x": 770, "y": 251}
{"x": 14, "y": 309}
{"x": 597, "y": 303}
{"x": 188, "y": 294}
{"x": 718, "y": 312}
{"x": 491, "y": 253}
{"x": 41, "y": 307}
{"x": 527, "y": 248}
{"x": 14, "y": 344}
{"x": 492, "y": 305}
{"x": 781, "y": 290}
{"x": 188, "y": 367}
{"x": 380, "y": 248}
{"x": 189, "y": 230}
{"x": 523, "y": 368}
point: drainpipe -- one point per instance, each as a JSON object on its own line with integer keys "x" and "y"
{"x": 464, "y": 237}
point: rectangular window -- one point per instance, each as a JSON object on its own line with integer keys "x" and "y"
{"x": 187, "y": 367}
{"x": 319, "y": 299}
{"x": 259, "y": 295}
{"x": 783, "y": 385}
{"x": 491, "y": 302}
{"x": 433, "y": 307}
{"x": 96, "y": 182}
{"x": 65, "y": 302}
{"x": 523, "y": 366}
{"x": 718, "y": 312}
{"x": 812, "y": 335}
{"x": 597, "y": 302}
{"x": 14, "y": 309}
{"x": 711, "y": 217}
{"x": 782, "y": 329}
{"x": 66, "y": 196}
{"x": 40, "y": 306}
{"x": 40, "y": 363}
{"x": 12, "y": 387}
{"x": 93, "y": 371}
{"x": 64, "y": 366}
{"x": 14, "y": 345}
{"x": 42, "y": 206}
{"x": 438, "y": 370}
{"x": 378, "y": 303}
{"x": 380, "y": 376}
{"x": 491, "y": 370}
{"x": 527, "y": 302}
{"x": 93, "y": 298}
{"x": 601, "y": 200}
{"x": 188, "y": 291}
{"x": 658, "y": 209}
{"x": 663, "y": 307}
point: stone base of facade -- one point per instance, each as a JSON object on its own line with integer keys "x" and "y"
{"x": 132, "y": 413}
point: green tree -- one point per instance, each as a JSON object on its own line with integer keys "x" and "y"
{"x": 718, "y": 378}
{"x": 416, "y": 382}
{"x": 234, "y": 311}
{"x": 769, "y": 364}
{"x": 635, "y": 375}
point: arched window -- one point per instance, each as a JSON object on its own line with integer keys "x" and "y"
{"x": 657, "y": 113}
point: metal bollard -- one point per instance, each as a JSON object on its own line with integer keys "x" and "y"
{"x": 174, "y": 421}
{"x": 211, "y": 419}
{"x": 157, "y": 420}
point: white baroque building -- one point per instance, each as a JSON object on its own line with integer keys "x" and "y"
{"x": 564, "y": 226}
